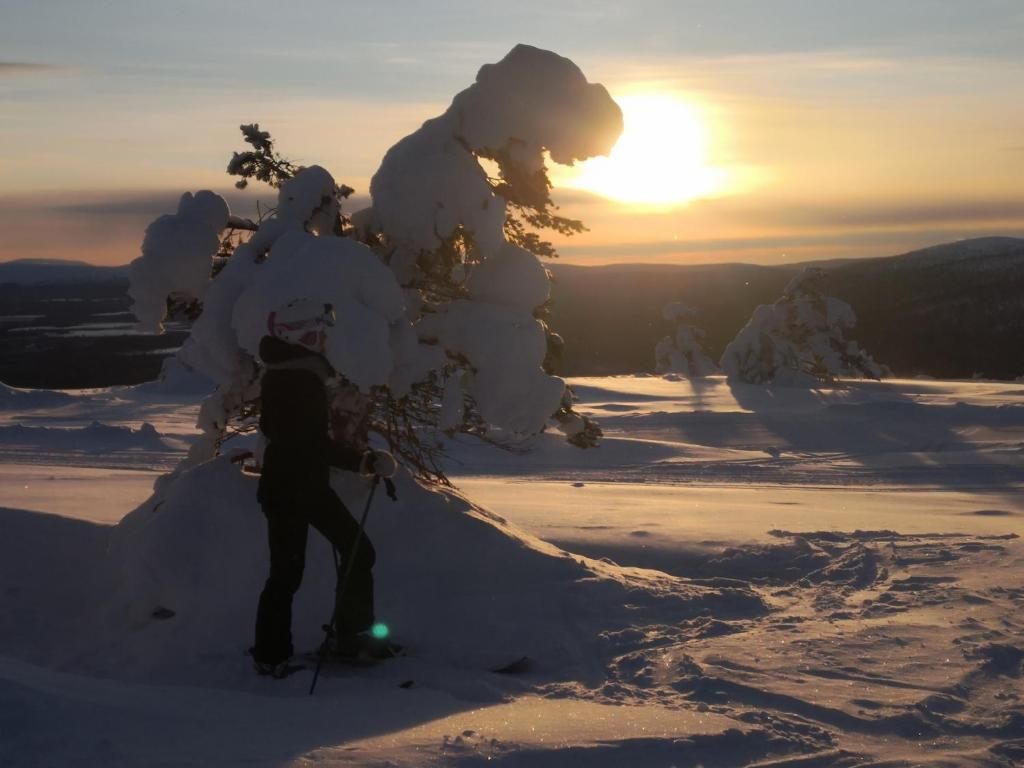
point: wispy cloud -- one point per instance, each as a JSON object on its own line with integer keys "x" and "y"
{"x": 798, "y": 214}
{"x": 150, "y": 204}
{"x": 15, "y": 68}
{"x": 103, "y": 227}
{"x": 774, "y": 250}
{"x": 898, "y": 214}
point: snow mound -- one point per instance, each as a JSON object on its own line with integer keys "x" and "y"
{"x": 176, "y": 378}
{"x": 1000, "y": 659}
{"x": 95, "y": 438}
{"x": 466, "y": 590}
{"x": 15, "y": 398}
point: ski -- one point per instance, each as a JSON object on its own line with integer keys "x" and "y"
{"x": 361, "y": 660}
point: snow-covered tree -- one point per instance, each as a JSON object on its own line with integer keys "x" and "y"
{"x": 684, "y": 352}
{"x": 799, "y": 340}
{"x": 437, "y": 288}
{"x": 175, "y": 260}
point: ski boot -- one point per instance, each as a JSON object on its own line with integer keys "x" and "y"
{"x": 277, "y": 670}
{"x": 363, "y": 648}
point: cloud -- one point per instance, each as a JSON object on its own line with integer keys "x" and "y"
{"x": 118, "y": 205}
{"x": 104, "y": 227}
{"x": 801, "y": 214}
{"x": 102, "y": 208}
{"x": 149, "y": 205}
{"x": 573, "y": 196}
{"x": 912, "y": 214}
{"x": 15, "y": 68}
{"x": 107, "y": 227}
{"x": 776, "y": 249}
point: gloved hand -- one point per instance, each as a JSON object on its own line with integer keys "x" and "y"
{"x": 380, "y": 463}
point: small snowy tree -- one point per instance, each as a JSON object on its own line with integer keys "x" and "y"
{"x": 799, "y": 340}
{"x": 437, "y": 288}
{"x": 683, "y": 353}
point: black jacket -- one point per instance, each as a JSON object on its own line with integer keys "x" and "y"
{"x": 294, "y": 420}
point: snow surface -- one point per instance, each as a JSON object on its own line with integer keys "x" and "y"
{"x": 759, "y": 576}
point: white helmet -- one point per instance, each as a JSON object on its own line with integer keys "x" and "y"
{"x": 303, "y": 322}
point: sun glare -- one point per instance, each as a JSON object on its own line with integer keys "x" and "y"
{"x": 661, "y": 159}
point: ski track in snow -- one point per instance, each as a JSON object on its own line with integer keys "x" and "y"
{"x": 878, "y": 524}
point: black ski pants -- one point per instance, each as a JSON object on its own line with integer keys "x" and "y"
{"x": 287, "y": 530}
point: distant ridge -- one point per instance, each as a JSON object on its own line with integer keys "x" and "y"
{"x": 950, "y": 310}
{"x": 51, "y": 271}
{"x": 978, "y": 252}
{"x": 974, "y": 246}
{"x": 974, "y": 250}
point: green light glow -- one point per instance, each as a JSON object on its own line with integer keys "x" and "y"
{"x": 380, "y": 631}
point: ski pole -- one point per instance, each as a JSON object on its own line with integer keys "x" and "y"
{"x": 329, "y": 627}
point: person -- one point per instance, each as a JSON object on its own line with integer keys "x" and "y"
{"x": 294, "y": 489}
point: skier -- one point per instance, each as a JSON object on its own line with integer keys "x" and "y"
{"x": 294, "y": 489}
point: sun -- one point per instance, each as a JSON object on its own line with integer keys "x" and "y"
{"x": 660, "y": 160}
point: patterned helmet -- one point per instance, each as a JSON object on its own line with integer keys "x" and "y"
{"x": 303, "y": 322}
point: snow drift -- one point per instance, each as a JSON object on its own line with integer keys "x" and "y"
{"x": 95, "y": 438}
{"x": 172, "y": 594}
{"x": 17, "y": 398}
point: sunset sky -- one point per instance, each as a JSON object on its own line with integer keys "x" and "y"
{"x": 756, "y": 131}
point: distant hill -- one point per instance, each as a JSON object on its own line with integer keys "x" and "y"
{"x": 54, "y": 271}
{"x": 65, "y": 333}
{"x": 610, "y": 316}
{"x": 950, "y": 311}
